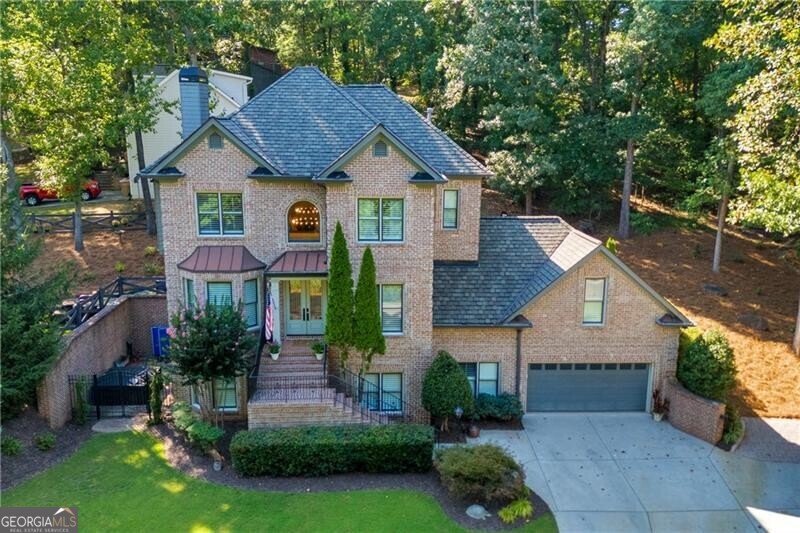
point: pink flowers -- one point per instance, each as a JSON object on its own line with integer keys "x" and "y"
{"x": 171, "y": 332}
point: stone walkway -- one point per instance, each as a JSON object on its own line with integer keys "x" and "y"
{"x": 625, "y": 472}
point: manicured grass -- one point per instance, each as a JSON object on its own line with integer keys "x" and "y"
{"x": 122, "y": 482}
{"x": 99, "y": 206}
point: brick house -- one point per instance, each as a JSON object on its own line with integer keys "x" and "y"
{"x": 528, "y": 305}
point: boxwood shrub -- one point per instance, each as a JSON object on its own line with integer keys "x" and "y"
{"x": 503, "y": 407}
{"x": 325, "y": 450}
{"x": 707, "y": 366}
{"x": 484, "y": 473}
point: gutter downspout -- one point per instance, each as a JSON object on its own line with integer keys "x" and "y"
{"x": 518, "y": 380}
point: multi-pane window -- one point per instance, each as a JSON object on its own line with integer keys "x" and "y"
{"x": 250, "y": 301}
{"x": 383, "y": 392}
{"x": 380, "y": 219}
{"x": 215, "y": 141}
{"x": 220, "y": 213}
{"x": 594, "y": 301}
{"x": 450, "y": 208}
{"x": 189, "y": 295}
{"x": 224, "y": 395}
{"x": 483, "y": 377}
{"x": 219, "y": 293}
{"x": 391, "y": 297}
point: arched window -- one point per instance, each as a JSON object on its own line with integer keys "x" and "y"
{"x": 303, "y": 222}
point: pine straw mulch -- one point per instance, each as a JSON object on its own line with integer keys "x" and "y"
{"x": 761, "y": 276}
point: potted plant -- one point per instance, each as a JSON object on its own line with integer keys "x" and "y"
{"x": 660, "y": 406}
{"x": 218, "y": 460}
{"x": 319, "y": 350}
{"x": 474, "y": 431}
{"x": 274, "y": 351}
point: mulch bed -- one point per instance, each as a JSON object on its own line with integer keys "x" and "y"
{"x": 454, "y": 436}
{"x": 31, "y": 460}
{"x": 191, "y": 462}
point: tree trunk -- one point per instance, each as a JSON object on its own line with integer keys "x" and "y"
{"x": 529, "y": 201}
{"x": 796, "y": 343}
{"x": 78, "y": 225}
{"x": 627, "y": 183}
{"x": 722, "y": 214}
{"x": 11, "y": 184}
{"x": 145, "y": 184}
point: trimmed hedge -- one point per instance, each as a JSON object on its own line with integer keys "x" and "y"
{"x": 200, "y": 434}
{"x": 503, "y": 407}
{"x": 707, "y": 366}
{"x": 325, "y": 450}
{"x": 484, "y": 473}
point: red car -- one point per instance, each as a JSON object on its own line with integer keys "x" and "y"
{"x": 33, "y": 194}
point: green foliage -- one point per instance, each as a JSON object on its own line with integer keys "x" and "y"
{"x": 707, "y": 367}
{"x": 446, "y": 387}
{"x": 521, "y": 508}
{"x": 503, "y": 407}
{"x": 81, "y": 404}
{"x": 367, "y": 331}
{"x": 207, "y": 345}
{"x": 45, "y": 442}
{"x": 150, "y": 251}
{"x": 611, "y": 245}
{"x": 734, "y": 427}
{"x": 156, "y": 396}
{"x": 10, "y": 446}
{"x": 203, "y": 435}
{"x": 321, "y": 451}
{"x": 275, "y": 347}
{"x": 119, "y": 267}
{"x": 643, "y": 224}
{"x": 339, "y": 314}
{"x": 28, "y": 334}
{"x": 153, "y": 269}
{"x": 485, "y": 473}
{"x": 199, "y": 433}
{"x": 687, "y": 338}
{"x": 318, "y": 347}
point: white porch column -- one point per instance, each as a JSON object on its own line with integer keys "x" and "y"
{"x": 275, "y": 287}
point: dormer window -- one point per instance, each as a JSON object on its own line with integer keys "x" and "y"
{"x": 215, "y": 141}
{"x": 379, "y": 149}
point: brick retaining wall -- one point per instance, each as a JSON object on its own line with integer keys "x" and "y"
{"x": 694, "y": 414}
{"x": 93, "y": 347}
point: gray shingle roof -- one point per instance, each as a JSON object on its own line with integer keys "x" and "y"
{"x": 518, "y": 258}
{"x": 303, "y": 122}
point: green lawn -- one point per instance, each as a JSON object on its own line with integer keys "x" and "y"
{"x": 122, "y": 482}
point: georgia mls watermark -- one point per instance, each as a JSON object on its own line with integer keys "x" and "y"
{"x": 38, "y": 519}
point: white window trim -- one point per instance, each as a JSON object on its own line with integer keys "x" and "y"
{"x": 602, "y": 322}
{"x": 402, "y": 310}
{"x": 219, "y": 235}
{"x": 196, "y": 404}
{"x": 380, "y": 241}
{"x": 458, "y": 209}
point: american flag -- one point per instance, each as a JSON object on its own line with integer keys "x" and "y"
{"x": 268, "y": 318}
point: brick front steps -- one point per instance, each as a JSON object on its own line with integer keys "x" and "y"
{"x": 294, "y": 391}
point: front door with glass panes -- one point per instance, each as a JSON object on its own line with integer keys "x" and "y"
{"x": 305, "y": 306}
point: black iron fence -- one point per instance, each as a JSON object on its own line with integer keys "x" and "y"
{"x": 90, "y": 222}
{"x": 85, "y": 307}
{"x": 117, "y": 392}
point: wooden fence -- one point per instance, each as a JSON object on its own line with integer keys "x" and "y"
{"x": 101, "y": 222}
{"x": 86, "y": 307}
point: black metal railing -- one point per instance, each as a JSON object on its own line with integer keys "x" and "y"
{"x": 86, "y": 307}
{"x": 117, "y": 392}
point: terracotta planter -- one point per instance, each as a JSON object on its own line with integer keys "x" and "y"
{"x": 474, "y": 431}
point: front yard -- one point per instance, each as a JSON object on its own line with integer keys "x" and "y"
{"x": 122, "y": 482}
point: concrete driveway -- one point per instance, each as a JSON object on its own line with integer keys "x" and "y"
{"x": 625, "y": 472}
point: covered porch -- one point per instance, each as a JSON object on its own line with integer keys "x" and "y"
{"x": 299, "y": 289}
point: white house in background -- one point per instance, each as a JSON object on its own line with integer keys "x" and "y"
{"x": 228, "y": 92}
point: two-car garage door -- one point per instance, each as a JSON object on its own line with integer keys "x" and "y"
{"x": 587, "y": 386}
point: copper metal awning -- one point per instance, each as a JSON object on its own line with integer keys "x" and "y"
{"x": 311, "y": 263}
{"x": 230, "y": 259}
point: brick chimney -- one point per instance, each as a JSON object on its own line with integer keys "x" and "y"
{"x": 194, "y": 99}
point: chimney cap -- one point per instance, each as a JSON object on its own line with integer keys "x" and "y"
{"x": 192, "y": 74}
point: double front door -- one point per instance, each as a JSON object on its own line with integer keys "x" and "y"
{"x": 305, "y": 306}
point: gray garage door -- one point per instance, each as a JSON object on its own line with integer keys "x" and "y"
{"x": 587, "y": 387}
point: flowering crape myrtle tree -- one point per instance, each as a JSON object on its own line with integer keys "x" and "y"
{"x": 207, "y": 346}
